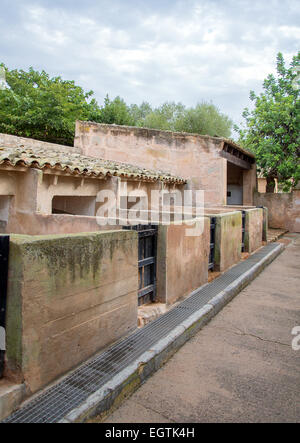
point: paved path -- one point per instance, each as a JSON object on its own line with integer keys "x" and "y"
{"x": 240, "y": 367}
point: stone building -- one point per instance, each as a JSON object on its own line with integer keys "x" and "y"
{"x": 220, "y": 167}
{"x": 74, "y": 285}
{"x": 53, "y": 189}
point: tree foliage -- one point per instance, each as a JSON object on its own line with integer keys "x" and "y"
{"x": 44, "y": 108}
{"x": 115, "y": 112}
{"x": 272, "y": 128}
{"x": 38, "y": 106}
{"x": 204, "y": 118}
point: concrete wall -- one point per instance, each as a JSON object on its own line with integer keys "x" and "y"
{"x": 265, "y": 224}
{"x": 182, "y": 261}
{"x": 228, "y": 239}
{"x": 249, "y": 185}
{"x": 253, "y": 229}
{"x": 191, "y": 156}
{"x": 283, "y": 208}
{"x": 261, "y": 185}
{"x": 68, "y": 297}
{"x": 39, "y": 224}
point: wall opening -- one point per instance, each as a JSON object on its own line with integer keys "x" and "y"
{"x": 74, "y": 205}
{"x": 5, "y": 203}
{"x": 234, "y": 184}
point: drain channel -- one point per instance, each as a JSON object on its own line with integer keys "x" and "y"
{"x": 54, "y": 403}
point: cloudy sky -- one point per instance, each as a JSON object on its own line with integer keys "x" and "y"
{"x": 153, "y": 50}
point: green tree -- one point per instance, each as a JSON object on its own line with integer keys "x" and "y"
{"x": 115, "y": 112}
{"x": 272, "y": 128}
{"x": 164, "y": 117}
{"x": 44, "y": 108}
{"x": 35, "y": 105}
{"x": 205, "y": 118}
{"x": 139, "y": 113}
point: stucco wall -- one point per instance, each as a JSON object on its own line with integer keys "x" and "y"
{"x": 40, "y": 224}
{"x": 182, "y": 261}
{"x": 249, "y": 185}
{"x": 253, "y": 229}
{"x": 261, "y": 185}
{"x": 283, "y": 209}
{"x": 68, "y": 297}
{"x": 228, "y": 239}
{"x": 28, "y": 197}
{"x": 190, "y": 156}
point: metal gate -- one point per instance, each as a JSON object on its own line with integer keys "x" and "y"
{"x": 4, "y": 251}
{"x": 243, "y": 230}
{"x": 211, "y": 262}
{"x": 147, "y": 262}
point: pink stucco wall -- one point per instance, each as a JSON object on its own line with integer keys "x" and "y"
{"x": 283, "y": 209}
{"x": 182, "y": 261}
{"x": 39, "y": 224}
{"x": 191, "y": 156}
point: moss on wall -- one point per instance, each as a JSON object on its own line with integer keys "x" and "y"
{"x": 228, "y": 235}
{"x": 14, "y": 310}
{"x": 62, "y": 290}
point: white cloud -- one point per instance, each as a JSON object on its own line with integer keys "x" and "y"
{"x": 177, "y": 50}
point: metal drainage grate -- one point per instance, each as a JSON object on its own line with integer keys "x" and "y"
{"x": 53, "y": 404}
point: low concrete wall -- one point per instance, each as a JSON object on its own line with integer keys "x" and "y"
{"x": 39, "y": 224}
{"x": 228, "y": 239}
{"x": 265, "y": 224}
{"x": 284, "y": 209}
{"x": 253, "y": 229}
{"x": 182, "y": 261}
{"x": 68, "y": 297}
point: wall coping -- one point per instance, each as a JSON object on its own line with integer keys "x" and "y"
{"x": 29, "y": 239}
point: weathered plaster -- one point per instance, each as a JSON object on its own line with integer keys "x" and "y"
{"x": 228, "y": 239}
{"x": 68, "y": 297}
{"x": 283, "y": 209}
{"x": 182, "y": 261}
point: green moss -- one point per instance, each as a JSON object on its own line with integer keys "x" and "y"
{"x": 14, "y": 310}
{"x": 60, "y": 260}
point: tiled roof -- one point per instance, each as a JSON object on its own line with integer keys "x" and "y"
{"x": 76, "y": 164}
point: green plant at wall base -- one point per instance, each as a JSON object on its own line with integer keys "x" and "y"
{"x": 272, "y": 129}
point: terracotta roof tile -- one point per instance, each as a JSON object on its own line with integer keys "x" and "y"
{"x": 77, "y": 164}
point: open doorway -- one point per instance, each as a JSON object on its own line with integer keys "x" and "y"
{"x": 234, "y": 184}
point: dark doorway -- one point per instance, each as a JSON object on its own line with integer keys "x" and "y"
{"x": 147, "y": 259}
